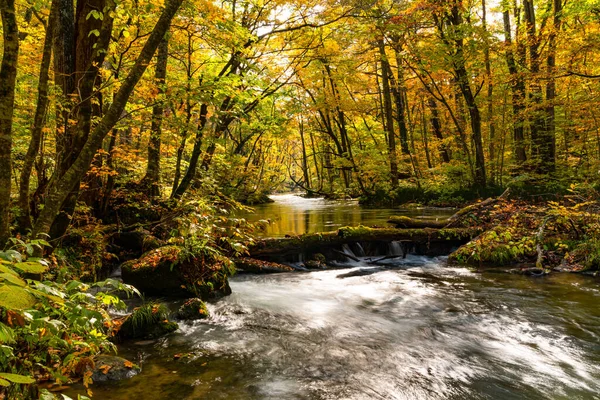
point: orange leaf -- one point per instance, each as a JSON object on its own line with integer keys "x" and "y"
{"x": 105, "y": 369}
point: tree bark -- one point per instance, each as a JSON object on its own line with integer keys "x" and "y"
{"x": 518, "y": 94}
{"x": 24, "y": 220}
{"x": 152, "y": 178}
{"x": 437, "y": 129}
{"x": 535, "y": 88}
{"x": 190, "y": 173}
{"x": 8, "y": 76}
{"x": 59, "y": 190}
{"x": 490, "y": 91}
{"x": 548, "y": 147}
{"x": 388, "y": 120}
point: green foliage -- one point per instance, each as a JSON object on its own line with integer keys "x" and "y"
{"x": 148, "y": 320}
{"x": 496, "y": 247}
{"x": 54, "y": 327}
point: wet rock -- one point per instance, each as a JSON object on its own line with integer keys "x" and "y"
{"x": 192, "y": 309}
{"x": 169, "y": 271}
{"x": 149, "y": 321}
{"x": 317, "y": 261}
{"x": 252, "y": 265}
{"x": 112, "y": 368}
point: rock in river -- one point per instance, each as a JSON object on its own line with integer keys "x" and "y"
{"x": 175, "y": 272}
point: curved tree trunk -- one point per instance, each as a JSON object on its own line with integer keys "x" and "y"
{"x": 152, "y": 178}
{"x": 59, "y": 189}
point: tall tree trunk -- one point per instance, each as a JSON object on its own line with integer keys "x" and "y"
{"x": 152, "y": 178}
{"x": 8, "y": 76}
{"x": 463, "y": 80}
{"x": 24, "y": 220}
{"x": 437, "y": 129}
{"x": 424, "y": 134}
{"x": 535, "y": 87}
{"x": 548, "y": 148}
{"x": 518, "y": 94}
{"x": 78, "y": 55}
{"x": 399, "y": 92}
{"x": 190, "y": 173}
{"x": 305, "y": 169}
{"x": 59, "y": 190}
{"x": 490, "y": 89}
{"x": 388, "y": 119}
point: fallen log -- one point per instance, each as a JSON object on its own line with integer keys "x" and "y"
{"x": 255, "y": 266}
{"x": 315, "y": 241}
{"x": 454, "y": 219}
{"x": 410, "y": 223}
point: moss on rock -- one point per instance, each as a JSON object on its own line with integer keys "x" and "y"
{"x": 192, "y": 309}
{"x": 149, "y": 321}
{"x": 171, "y": 271}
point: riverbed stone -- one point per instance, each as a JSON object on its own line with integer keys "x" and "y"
{"x": 112, "y": 368}
{"x": 149, "y": 321}
{"x": 192, "y": 309}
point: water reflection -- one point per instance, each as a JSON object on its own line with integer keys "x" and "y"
{"x": 292, "y": 215}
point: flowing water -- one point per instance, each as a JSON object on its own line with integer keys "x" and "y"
{"x": 413, "y": 328}
{"x": 293, "y": 215}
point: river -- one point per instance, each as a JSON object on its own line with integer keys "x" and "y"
{"x": 290, "y": 214}
{"x": 415, "y": 329}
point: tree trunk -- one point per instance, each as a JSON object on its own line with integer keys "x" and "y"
{"x": 463, "y": 80}
{"x": 490, "y": 90}
{"x": 548, "y": 147}
{"x": 59, "y": 190}
{"x": 190, "y": 173}
{"x": 518, "y": 94}
{"x": 437, "y": 129}
{"x": 152, "y": 178}
{"x": 8, "y": 76}
{"x": 388, "y": 120}
{"x": 399, "y": 92}
{"x": 24, "y": 219}
{"x": 535, "y": 88}
{"x": 78, "y": 53}
{"x": 305, "y": 171}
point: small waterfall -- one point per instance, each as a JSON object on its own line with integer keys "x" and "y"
{"x": 347, "y": 250}
{"x": 395, "y": 248}
{"x": 360, "y": 250}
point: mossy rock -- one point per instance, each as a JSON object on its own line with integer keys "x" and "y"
{"x": 252, "y": 265}
{"x": 192, "y": 309}
{"x": 149, "y": 321}
{"x": 169, "y": 271}
{"x": 317, "y": 261}
{"x": 112, "y": 368}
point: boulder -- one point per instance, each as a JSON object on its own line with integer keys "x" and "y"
{"x": 149, "y": 321}
{"x": 172, "y": 271}
{"x": 112, "y": 368}
{"x": 192, "y": 309}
